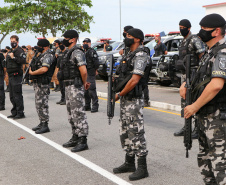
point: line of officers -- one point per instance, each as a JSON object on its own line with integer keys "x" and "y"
{"x": 208, "y": 83}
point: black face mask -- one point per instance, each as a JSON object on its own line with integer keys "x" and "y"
{"x": 206, "y": 35}
{"x": 40, "y": 49}
{"x": 85, "y": 46}
{"x": 13, "y": 44}
{"x": 66, "y": 42}
{"x": 124, "y": 34}
{"x": 62, "y": 47}
{"x": 128, "y": 42}
{"x": 184, "y": 32}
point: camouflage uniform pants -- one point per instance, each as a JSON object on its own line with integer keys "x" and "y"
{"x": 75, "y": 103}
{"x": 132, "y": 133}
{"x": 41, "y": 101}
{"x": 212, "y": 149}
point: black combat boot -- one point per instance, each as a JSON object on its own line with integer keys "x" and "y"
{"x": 82, "y": 145}
{"x": 59, "y": 102}
{"x": 72, "y": 142}
{"x": 87, "y": 108}
{"x": 19, "y": 116}
{"x": 128, "y": 166}
{"x": 180, "y": 133}
{"x": 37, "y": 127}
{"x": 43, "y": 129}
{"x": 141, "y": 171}
{"x": 63, "y": 102}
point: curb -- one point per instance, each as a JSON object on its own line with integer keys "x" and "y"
{"x": 156, "y": 104}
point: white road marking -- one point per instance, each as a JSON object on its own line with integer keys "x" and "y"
{"x": 75, "y": 156}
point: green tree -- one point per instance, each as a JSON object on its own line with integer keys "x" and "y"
{"x": 42, "y": 16}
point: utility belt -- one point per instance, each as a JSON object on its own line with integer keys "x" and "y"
{"x": 135, "y": 93}
{"x": 44, "y": 80}
{"x": 77, "y": 82}
{"x": 209, "y": 109}
{"x": 19, "y": 73}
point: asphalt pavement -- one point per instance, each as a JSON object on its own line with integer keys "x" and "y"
{"x": 40, "y": 159}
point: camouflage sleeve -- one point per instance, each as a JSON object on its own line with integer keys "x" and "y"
{"x": 57, "y": 51}
{"x": 47, "y": 60}
{"x": 78, "y": 57}
{"x": 219, "y": 66}
{"x": 199, "y": 46}
{"x": 140, "y": 63}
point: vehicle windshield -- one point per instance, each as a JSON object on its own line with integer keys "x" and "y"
{"x": 115, "y": 45}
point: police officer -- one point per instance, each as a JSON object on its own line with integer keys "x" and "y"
{"x": 107, "y": 46}
{"x": 2, "y": 92}
{"x": 92, "y": 66}
{"x": 160, "y": 48}
{"x": 39, "y": 73}
{"x": 132, "y": 73}
{"x": 209, "y": 92}
{"x": 63, "y": 51}
{"x": 56, "y": 44}
{"x": 125, "y": 50}
{"x": 14, "y": 62}
{"x": 191, "y": 44}
{"x": 75, "y": 76}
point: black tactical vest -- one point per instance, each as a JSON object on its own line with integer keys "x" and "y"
{"x": 125, "y": 73}
{"x": 90, "y": 63}
{"x": 37, "y": 64}
{"x": 183, "y": 52}
{"x": 11, "y": 65}
{"x": 1, "y": 64}
{"x": 69, "y": 68}
{"x": 201, "y": 80}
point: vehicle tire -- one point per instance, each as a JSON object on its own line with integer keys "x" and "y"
{"x": 105, "y": 78}
{"x": 164, "y": 83}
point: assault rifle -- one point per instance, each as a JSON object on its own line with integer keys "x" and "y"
{"x": 32, "y": 61}
{"x": 111, "y": 92}
{"x": 188, "y": 101}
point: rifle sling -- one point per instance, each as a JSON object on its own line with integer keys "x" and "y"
{"x": 122, "y": 83}
{"x": 207, "y": 80}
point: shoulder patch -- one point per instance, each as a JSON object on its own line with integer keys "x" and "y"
{"x": 22, "y": 55}
{"x": 140, "y": 64}
{"x": 141, "y": 53}
{"x": 222, "y": 63}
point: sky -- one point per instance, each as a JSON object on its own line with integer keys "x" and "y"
{"x": 151, "y": 16}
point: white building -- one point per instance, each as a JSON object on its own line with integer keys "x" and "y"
{"x": 219, "y": 8}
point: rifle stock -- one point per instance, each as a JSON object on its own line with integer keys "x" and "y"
{"x": 188, "y": 101}
{"x": 111, "y": 93}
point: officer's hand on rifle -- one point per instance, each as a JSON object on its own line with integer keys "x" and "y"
{"x": 30, "y": 71}
{"x": 190, "y": 110}
{"x": 116, "y": 97}
{"x": 183, "y": 90}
